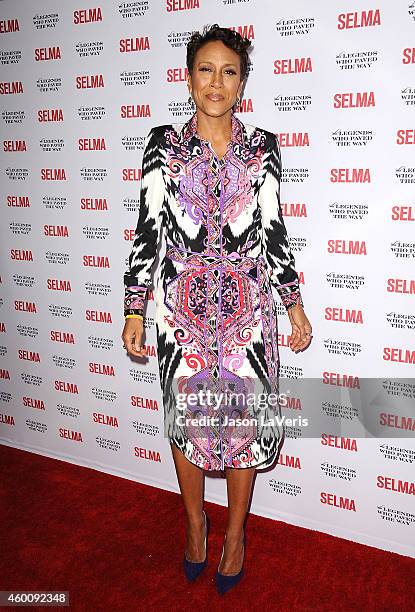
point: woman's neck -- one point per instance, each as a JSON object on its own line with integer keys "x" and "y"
{"x": 214, "y": 129}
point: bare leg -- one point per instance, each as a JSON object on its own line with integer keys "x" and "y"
{"x": 191, "y": 481}
{"x": 239, "y": 486}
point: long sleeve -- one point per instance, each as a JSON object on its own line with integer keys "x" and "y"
{"x": 143, "y": 253}
{"x": 275, "y": 245}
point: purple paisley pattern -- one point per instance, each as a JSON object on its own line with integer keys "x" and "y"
{"x": 134, "y": 300}
{"x": 216, "y": 322}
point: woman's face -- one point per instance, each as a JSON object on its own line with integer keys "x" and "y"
{"x": 215, "y": 82}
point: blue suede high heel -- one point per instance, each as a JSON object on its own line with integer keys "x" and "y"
{"x": 225, "y": 582}
{"x": 193, "y": 569}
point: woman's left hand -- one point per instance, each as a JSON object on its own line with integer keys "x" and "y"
{"x": 301, "y": 329}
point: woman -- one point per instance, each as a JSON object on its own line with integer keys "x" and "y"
{"x": 210, "y": 186}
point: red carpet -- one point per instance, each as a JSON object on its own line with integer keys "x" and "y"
{"x": 117, "y": 545}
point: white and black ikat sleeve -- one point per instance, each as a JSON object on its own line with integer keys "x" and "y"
{"x": 143, "y": 253}
{"x": 275, "y": 245}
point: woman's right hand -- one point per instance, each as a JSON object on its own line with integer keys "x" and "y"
{"x": 132, "y": 336}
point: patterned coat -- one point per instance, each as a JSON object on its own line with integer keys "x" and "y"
{"x": 216, "y": 322}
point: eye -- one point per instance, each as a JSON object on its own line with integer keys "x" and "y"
{"x": 229, "y": 70}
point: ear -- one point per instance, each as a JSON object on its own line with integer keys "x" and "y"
{"x": 241, "y": 84}
{"x": 189, "y": 82}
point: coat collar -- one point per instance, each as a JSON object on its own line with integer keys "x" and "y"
{"x": 239, "y": 134}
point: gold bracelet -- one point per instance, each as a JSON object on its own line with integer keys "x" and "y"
{"x": 134, "y": 316}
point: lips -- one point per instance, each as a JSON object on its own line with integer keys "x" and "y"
{"x": 215, "y": 97}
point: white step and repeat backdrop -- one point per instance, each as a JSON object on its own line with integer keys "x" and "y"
{"x": 81, "y": 84}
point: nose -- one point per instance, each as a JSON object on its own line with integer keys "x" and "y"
{"x": 217, "y": 79}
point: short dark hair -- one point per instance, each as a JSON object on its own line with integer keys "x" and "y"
{"x": 230, "y": 38}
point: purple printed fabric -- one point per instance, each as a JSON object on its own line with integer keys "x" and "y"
{"x": 290, "y": 294}
{"x": 134, "y": 300}
{"x": 216, "y": 320}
